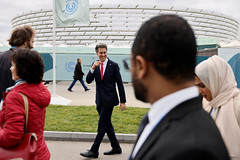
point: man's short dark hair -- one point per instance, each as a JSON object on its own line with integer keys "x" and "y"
{"x": 168, "y": 42}
{"x": 101, "y": 45}
{"x": 29, "y": 65}
{"x": 21, "y": 35}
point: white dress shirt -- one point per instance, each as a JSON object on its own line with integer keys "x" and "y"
{"x": 160, "y": 108}
{"x": 104, "y": 66}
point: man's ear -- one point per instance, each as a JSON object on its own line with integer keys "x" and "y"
{"x": 141, "y": 66}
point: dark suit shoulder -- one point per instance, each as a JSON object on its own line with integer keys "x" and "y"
{"x": 189, "y": 133}
{"x": 112, "y": 63}
{"x": 200, "y": 136}
{"x": 6, "y": 54}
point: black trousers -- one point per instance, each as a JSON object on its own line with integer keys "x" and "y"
{"x": 105, "y": 126}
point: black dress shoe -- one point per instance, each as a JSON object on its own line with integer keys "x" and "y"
{"x": 70, "y": 90}
{"x": 89, "y": 154}
{"x": 113, "y": 151}
{"x": 87, "y": 89}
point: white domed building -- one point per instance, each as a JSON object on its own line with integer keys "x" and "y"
{"x": 116, "y": 24}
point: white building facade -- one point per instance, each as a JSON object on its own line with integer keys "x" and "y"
{"x": 117, "y": 24}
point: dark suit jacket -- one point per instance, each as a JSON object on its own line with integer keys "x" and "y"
{"x": 106, "y": 93}
{"x": 186, "y": 133}
{"x": 5, "y": 73}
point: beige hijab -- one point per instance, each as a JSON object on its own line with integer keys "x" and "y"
{"x": 218, "y": 77}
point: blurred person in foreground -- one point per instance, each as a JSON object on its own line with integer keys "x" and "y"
{"x": 162, "y": 67}
{"x": 78, "y": 75}
{"x": 216, "y": 83}
{"x": 106, "y": 74}
{"x": 21, "y": 38}
{"x": 27, "y": 72}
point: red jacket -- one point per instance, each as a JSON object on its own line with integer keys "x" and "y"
{"x": 12, "y": 118}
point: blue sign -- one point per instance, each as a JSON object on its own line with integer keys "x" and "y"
{"x": 71, "y": 6}
{"x": 70, "y": 66}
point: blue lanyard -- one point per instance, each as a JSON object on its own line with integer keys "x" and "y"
{"x": 19, "y": 80}
{"x": 12, "y": 47}
{"x": 211, "y": 111}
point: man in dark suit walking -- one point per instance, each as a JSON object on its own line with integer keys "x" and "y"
{"x": 78, "y": 75}
{"x": 106, "y": 74}
{"x": 162, "y": 67}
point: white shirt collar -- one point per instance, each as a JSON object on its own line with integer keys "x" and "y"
{"x": 104, "y": 65}
{"x": 162, "y": 106}
{"x": 105, "y": 62}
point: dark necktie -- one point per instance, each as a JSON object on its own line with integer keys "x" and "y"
{"x": 101, "y": 71}
{"x": 142, "y": 125}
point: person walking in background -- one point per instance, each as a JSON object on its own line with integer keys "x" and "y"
{"x": 21, "y": 37}
{"x": 27, "y": 72}
{"x": 162, "y": 68}
{"x": 106, "y": 74}
{"x": 78, "y": 75}
{"x": 217, "y": 84}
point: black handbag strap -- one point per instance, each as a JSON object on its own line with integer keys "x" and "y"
{"x": 26, "y": 110}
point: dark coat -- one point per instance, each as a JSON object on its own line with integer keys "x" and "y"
{"x": 78, "y": 73}
{"x": 5, "y": 73}
{"x": 106, "y": 92}
{"x": 187, "y": 132}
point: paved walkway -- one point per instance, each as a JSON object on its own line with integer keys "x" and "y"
{"x": 80, "y": 97}
{"x": 64, "y": 148}
{"x": 69, "y": 150}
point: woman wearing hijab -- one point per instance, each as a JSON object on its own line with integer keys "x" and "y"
{"x": 27, "y": 72}
{"x": 217, "y": 85}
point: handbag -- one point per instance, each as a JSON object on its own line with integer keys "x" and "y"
{"x": 26, "y": 149}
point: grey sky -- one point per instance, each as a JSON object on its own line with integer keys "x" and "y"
{"x": 11, "y": 8}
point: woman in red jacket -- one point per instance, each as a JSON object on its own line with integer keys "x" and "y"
{"x": 27, "y": 72}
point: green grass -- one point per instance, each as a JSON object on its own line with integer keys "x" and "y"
{"x": 85, "y": 119}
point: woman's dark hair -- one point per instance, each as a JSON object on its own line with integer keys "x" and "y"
{"x": 21, "y": 35}
{"x": 29, "y": 65}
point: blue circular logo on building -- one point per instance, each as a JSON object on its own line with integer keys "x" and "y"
{"x": 70, "y": 66}
{"x": 71, "y": 6}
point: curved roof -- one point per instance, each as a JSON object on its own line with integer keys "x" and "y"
{"x": 116, "y": 24}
